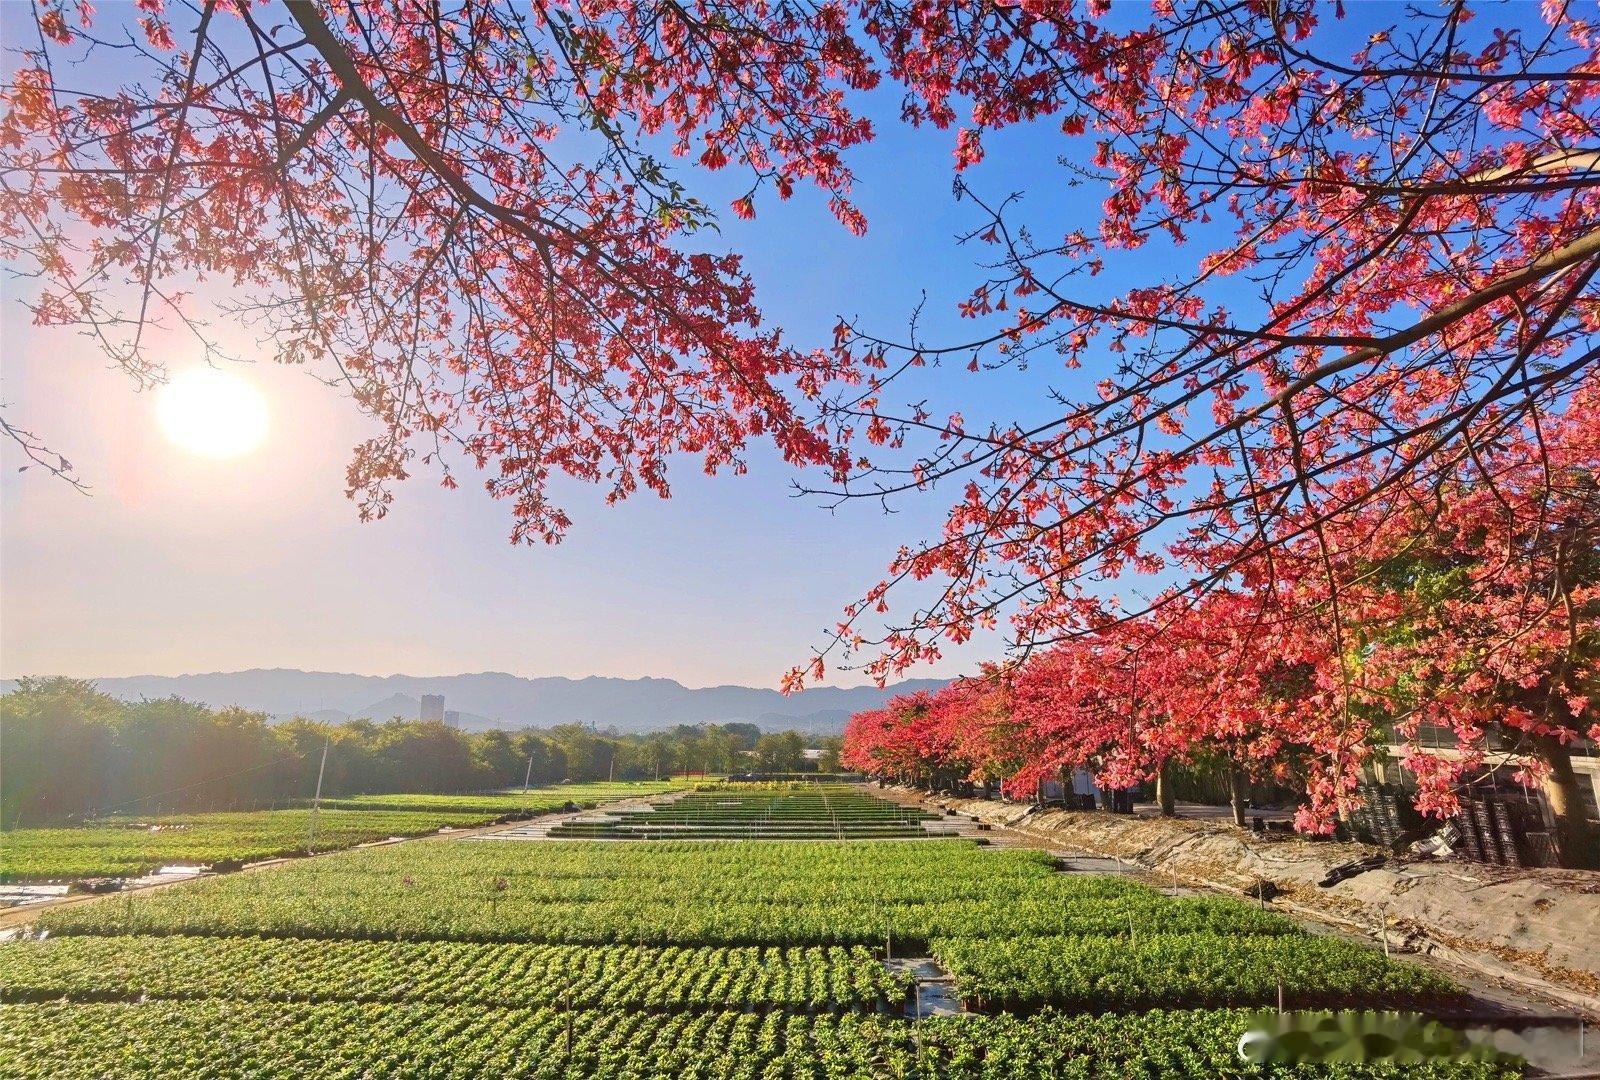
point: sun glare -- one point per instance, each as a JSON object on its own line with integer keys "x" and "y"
{"x": 214, "y": 414}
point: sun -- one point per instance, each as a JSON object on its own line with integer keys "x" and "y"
{"x": 214, "y": 414}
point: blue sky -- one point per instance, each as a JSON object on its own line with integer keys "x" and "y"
{"x": 178, "y": 564}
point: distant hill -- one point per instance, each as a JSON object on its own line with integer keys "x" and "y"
{"x": 494, "y": 699}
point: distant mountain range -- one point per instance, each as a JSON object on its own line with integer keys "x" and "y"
{"x": 494, "y": 699}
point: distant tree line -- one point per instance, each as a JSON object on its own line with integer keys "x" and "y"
{"x": 69, "y": 751}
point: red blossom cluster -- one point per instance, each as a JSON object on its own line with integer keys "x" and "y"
{"x": 1365, "y": 270}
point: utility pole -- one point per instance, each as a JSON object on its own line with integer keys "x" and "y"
{"x": 316, "y": 801}
{"x": 527, "y": 778}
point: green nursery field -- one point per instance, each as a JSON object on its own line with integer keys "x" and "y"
{"x": 677, "y": 893}
{"x": 124, "y": 846}
{"x": 761, "y": 959}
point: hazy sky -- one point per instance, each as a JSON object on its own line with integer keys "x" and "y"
{"x": 176, "y": 563}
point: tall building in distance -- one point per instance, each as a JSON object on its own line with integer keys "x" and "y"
{"x": 452, "y": 718}
{"x": 432, "y": 707}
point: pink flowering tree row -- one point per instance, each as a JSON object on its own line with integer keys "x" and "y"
{"x": 1472, "y": 608}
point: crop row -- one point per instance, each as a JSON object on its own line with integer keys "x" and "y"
{"x": 668, "y": 894}
{"x": 288, "y": 882}
{"x": 691, "y": 863}
{"x": 1074, "y": 974}
{"x": 656, "y": 817}
{"x": 787, "y": 808}
{"x": 298, "y": 888}
{"x": 755, "y": 830}
{"x": 502, "y": 975}
{"x": 237, "y": 907}
{"x": 1195, "y": 970}
{"x": 723, "y": 871}
{"x": 651, "y": 821}
{"x": 227, "y": 1038}
{"x": 807, "y": 805}
{"x": 811, "y": 811}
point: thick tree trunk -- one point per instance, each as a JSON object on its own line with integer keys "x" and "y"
{"x": 1575, "y": 835}
{"x": 1236, "y": 794}
{"x": 1164, "y": 795}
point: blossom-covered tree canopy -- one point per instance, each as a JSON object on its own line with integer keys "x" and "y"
{"x": 1469, "y": 607}
{"x": 1340, "y": 418}
{"x": 1366, "y": 252}
{"x": 450, "y": 204}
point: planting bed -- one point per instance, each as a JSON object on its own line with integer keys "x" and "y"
{"x": 809, "y": 812}
{"x": 679, "y": 894}
{"x": 752, "y": 959}
{"x": 1095, "y": 973}
{"x": 220, "y": 1037}
{"x": 446, "y": 972}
